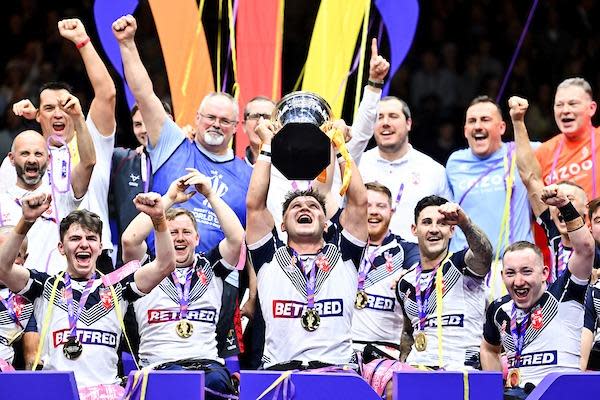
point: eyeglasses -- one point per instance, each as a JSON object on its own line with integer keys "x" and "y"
{"x": 256, "y": 116}
{"x": 224, "y": 122}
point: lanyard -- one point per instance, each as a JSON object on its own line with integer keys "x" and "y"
{"x": 75, "y": 313}
{"x": 423, "y": 300}
{"x": 145, "y": 171}
{"x": 184, "y": 295}
{"x": 366, "y": 266}
{"x": 398, "y": 197}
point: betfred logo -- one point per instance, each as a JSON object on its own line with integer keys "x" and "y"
{"x": 86, "y": 336}
{"x": 536, "y": 359}
{"x": 447, "y": 320}
{"x": 294, "y": 309}
{"x": 208, "y": 315}
{"x": 380, "y": 303}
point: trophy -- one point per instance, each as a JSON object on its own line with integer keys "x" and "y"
{"x": 301, "y": 150}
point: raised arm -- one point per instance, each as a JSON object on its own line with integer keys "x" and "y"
{"x": 15, "y": 276}
{"x": 259, "y": 220}
{"x": 354, "y": 216}
{"x": 527, "y": 165}
{"x": 230, "y": 224}
{"x": 102, "y": 108}
{"x": 150, "y": 275}
{"x": 582, "y": 241}
{"x": 479, "y": 256}
{"x": 82, "y": 173}
{"x": 137, "y": 78}
{"x": 133, "y": 240}
{"x": 364, "y": 122}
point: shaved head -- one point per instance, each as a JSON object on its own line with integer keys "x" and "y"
{"x": 29, "y": 137}
{"x": 29, "y": 156}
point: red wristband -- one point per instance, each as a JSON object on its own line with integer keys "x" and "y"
{"x": 83, "y": 42}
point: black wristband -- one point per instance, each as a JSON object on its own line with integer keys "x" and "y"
{"x": 568, "y": 212}
{"x": 265, "y": 153}
{"x": 378, "y": 85}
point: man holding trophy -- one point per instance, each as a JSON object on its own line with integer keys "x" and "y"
{"x": 306, "y": 286}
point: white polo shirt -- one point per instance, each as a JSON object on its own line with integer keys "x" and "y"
{"x": 422, "y": 176}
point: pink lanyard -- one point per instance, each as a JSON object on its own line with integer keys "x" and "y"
{"x": 554, "y": 178}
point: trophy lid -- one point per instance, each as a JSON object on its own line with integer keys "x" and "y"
{"x": 300, "y": 150}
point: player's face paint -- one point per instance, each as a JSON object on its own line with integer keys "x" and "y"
{"x": 524, "y": 276}
{"x": 379, "y": 214}
{"x": 432, "y": 232}
{"x": 573, "y": 110}
{"x": 81, "y": 247}
{"x": 304, "y": 218}
{"x": 185, "y": 239}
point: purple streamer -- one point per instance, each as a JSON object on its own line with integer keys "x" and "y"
{"x": 517, "y": 50}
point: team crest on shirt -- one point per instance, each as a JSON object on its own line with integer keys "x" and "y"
{"x": 389, "y": 261}
{"x": 18, "y": 304}
{"x": 202, "y": 276}
{"x": 322, "y": 263}
{"x": 416, "y": 178}
{"x": 106, "y": 298}
{"x": 537, "y": 319}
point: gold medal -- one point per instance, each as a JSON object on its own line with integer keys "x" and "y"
{"x": 513, "y": 379}
{"x": 310, "y": 320}
{"x": 362, "y": 299}
{"x": 184, "y": 329}
{"x": 420, "y": 341}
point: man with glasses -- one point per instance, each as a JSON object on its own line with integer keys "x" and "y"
{"x": 171, "y": 153}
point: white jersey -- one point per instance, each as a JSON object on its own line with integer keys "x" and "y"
{"x": 553, "y": 336}
{"x": 381, "y": 320}
{"x": 98, "y": 327}
{"x": 462, "y": 315}
{"x": 9, "y": 330}
{"x": 282, "y": 295}
{"x": 96, "y": 198}
{"x": 158, "y": 313}
{"x": 43, "y": 236}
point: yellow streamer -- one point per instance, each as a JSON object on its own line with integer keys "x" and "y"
{"x": 465, "y": 385}
{"x": 232, "y": 39}
{"x": 297, "y": 84}
{"x": 220, "y": 20}
{"x": 332, "y": 48}
{"x": 136, "y": 377}
{"x": 361, "y": 64}
{"x": 337, "y": 137}
{"x": 121, "y": 322}
{"x": 439, "y": 297}
{"x": 46, "y": 323}
{"x": 273, "y": 385}
{"x": 504, "y": 235}
{"x": 192, "y": 56}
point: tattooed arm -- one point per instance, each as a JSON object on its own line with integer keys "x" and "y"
{"x": 480, "y": 254}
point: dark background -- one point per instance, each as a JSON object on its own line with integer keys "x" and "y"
{"x": 461, "y": 49}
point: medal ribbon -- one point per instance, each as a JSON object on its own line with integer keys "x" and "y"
{"x": 311, "y": 279}
{"x": 75, "y": 313}
{"x": 8, "y": 303}
{"x": 423, "y": 301}
{"x": 398, "y": 197}
{"x": 366, "y": 266}
{"x": 562, "y": 259}
{"x": 184, "y": 295}
{"x": 518, "y": 334}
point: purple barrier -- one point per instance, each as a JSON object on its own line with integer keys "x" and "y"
{"x": 27, "y": 385}
{"x": 128, "y": 363}
{"x": 308, "y": 386}
{"x": 188, "y": 385}
{"x": 557, "y": 386}
{"x": 447, "y": 385}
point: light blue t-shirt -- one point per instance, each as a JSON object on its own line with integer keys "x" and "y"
{"x": 484, "y": 200}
